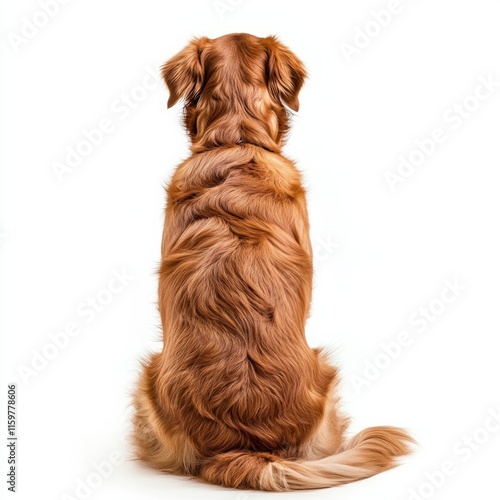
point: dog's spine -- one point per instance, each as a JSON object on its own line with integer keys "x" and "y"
{"x": 371, "y": 451}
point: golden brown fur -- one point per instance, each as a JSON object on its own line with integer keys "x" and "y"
{"x": 236, "y": 396}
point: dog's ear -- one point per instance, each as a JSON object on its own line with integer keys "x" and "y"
{"x": 184, "y": 73}
{"x": 285, "y": 73}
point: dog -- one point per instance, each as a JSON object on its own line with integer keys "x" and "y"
{"x": 237, "y": 397}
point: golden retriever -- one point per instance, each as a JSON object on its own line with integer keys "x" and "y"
{"x": 236, "y": 396}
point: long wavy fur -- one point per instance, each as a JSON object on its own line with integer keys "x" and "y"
{"x": 236, "y": 396}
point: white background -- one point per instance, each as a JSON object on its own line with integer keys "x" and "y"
{"x": 393, "y": 251}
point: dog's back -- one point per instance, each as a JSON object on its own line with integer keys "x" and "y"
{"x": 237, "y": 396}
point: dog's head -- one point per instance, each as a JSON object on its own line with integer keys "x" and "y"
{"x": 232, "y": 86}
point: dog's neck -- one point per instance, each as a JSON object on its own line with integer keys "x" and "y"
{"x": 217, "y": 136}
{"x": 226, "y": 124}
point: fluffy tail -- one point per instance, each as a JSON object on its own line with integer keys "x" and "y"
{"x": 371, "y": 451}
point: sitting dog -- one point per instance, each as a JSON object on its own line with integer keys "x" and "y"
{"x": 236, "y": 396}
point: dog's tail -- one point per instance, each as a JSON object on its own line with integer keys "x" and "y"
{"x": 371, "y": 451}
